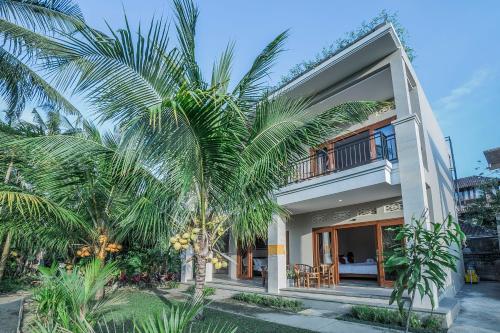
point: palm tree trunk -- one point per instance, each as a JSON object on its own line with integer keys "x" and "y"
{"x": 8, "y": 239}
{"x": 5, "y": 253}
{"x": 200, "y": 272}
{"x": 409, "y": 311}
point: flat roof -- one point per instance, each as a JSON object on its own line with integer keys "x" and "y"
{"x": 372, "y": 47}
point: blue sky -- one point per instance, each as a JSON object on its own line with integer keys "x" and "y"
{"x": 456, "y": 43}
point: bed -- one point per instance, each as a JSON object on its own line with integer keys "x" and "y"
{"x": 369, "y": 267}
{"x": 259, "y": 263}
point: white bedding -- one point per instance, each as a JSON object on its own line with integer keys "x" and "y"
{"x": 369, "y": 268}
{"x": 258, "y": 263}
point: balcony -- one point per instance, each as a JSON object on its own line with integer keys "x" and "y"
{"x": 345, "y": 154}
{"x": 358, "y": 169}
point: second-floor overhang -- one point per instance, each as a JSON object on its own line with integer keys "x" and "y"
{"x": 366, "y": 51}
{"x": 365, "y": 183}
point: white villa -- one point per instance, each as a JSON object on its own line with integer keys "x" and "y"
{"x": 345, "y": 196}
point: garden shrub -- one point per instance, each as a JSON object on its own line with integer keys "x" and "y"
{"x": 172, "y": 284}
{"x": 207, "y": 291}
{"x": 393, "y": 318}
{"x": 270, "y": 301}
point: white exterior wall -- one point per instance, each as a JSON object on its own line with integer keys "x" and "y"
{"x": 438, "y": 176}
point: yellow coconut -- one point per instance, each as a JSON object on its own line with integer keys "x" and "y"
{"x": 194, "y": 236}
{"x": 218, "y": 265}
{"x": 177, "y": 246}
{"x": 173, "y": 240}
{"x": 186, "y": 235}
{"x": 195, "y": 230}
{"x": 214, "y": 260}
{"x": 224, "y": 264}
{"x": 185, "y": 246}
{"x": 78, "y": 253}
{"x": 183, "y": 241}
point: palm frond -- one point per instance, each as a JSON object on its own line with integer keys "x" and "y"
{"x": 34, "y": 206}
{"x": 43, "y": 15}
{"x": 19, "y": 84}
{"x": 187, "y": 13}
{"x": 251, "y": 87}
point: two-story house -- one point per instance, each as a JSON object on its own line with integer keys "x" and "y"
{"x": 345, "y": 196}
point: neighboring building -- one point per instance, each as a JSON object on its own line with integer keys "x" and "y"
{"x": 470, "y": 189}
{"x": 346, "y": 195}
{"x": 493, "y": 158}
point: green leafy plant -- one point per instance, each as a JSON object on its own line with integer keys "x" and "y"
{"x": 270, "y": 301}
{"x": 207, "y": 291}
{"x": 423, "y": 252}
{"x": 394, "y": 318}
{"x": 172, "y": 284}
{"x": 68, "y": 300}
{"x": 177, "y": 319}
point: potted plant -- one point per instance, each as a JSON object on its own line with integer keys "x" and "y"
{"x": 290, "y": 275}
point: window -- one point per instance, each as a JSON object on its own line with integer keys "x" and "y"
{"x": 385, "y": 142}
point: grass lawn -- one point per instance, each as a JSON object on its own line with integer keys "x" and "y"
{"x": 142, "y": 303}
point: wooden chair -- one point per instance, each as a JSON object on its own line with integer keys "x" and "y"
{"x": 301, "y": 271}
{"x": 326, "y": 273}
{"x": 264, "y": 275}
{"x": 314, "y": 275}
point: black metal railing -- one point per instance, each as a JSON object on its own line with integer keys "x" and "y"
{"x": 346, "y": 154}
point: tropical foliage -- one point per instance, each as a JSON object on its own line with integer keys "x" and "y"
{"x": 22, "y": 23}
{"x": 193, "y": 156}
{"x": 68, "y": 298}
{"x": 218, "y": 149}
{"x": 423, "y": 254}
{"x": 485, "y": 209}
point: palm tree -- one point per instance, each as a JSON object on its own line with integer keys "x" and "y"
{"x": 221, "y": 147}
{"x": 21, "y": 23}
{"x": 24, "y": 208}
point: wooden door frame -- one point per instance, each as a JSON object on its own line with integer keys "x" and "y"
{"x": 378, "y": 224}
{"x": 239, "y": 263}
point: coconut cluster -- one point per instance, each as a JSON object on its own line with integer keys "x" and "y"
{"x": 182, "y": 241}
{"x": 113, "y": 247}
{"x": 85, "y": 251}
{"x": 218, "y": 262}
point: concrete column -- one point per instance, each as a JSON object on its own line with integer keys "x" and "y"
{"x": 410, "y": 156}
{"x": 187, "y": 265}
{"x": 233, "y": 258}
{"x": 276, "y": 255}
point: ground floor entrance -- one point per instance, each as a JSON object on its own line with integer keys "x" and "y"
{"x": 356, "y": 250}
{"x": 251, "y": 261}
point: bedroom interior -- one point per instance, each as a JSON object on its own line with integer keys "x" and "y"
{"x": 356, "y": 250}
{"x": 357, "y": 253}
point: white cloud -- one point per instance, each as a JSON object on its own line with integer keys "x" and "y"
{"x": 454, "y": 99}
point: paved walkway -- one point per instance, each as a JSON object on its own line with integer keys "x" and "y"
{"x": 311, "y": 319}
{"x": 9, "y": 313}
{"x": 480, "y": 309}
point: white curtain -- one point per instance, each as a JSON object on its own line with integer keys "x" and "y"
{"x": 327, "y": 254}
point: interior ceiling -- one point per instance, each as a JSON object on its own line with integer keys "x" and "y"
{"x": 348, "y": 198}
